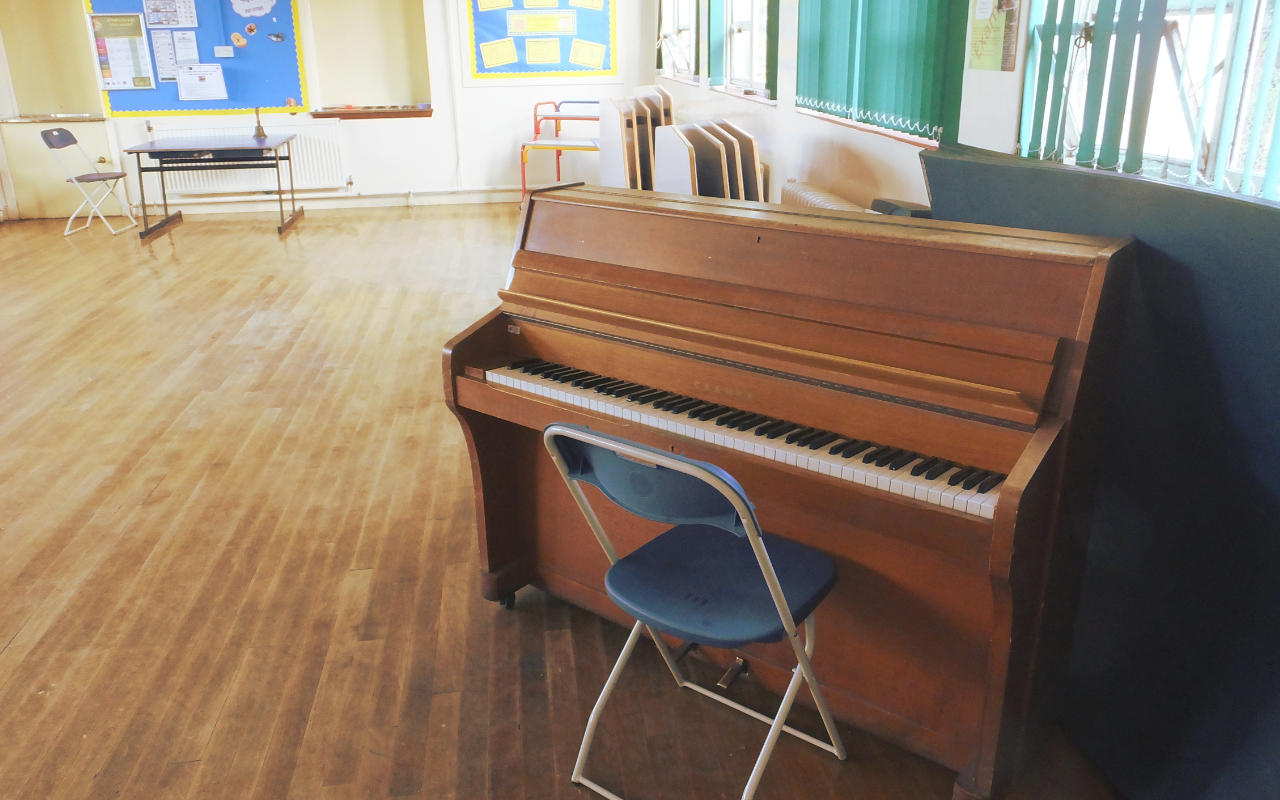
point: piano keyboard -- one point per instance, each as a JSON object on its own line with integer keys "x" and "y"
{"x": 926, "y": 478}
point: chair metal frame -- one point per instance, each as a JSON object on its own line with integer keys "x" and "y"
{"x": 92, "y": 199}
{"x": 803, "y": 652}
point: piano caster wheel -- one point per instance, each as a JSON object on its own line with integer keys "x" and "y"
{"x": 507, "y": 600}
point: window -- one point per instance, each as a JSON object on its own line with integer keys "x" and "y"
{"x": 896, "y": 65}
{"x": 744, "y": 46}
{"x": 1182, "y": 90}
{"x": 747, "y": 66}
{"x": 678, "y": 42}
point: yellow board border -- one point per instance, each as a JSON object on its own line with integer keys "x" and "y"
{"x": 597, "y": 73}
{"x": 302, "y": 108}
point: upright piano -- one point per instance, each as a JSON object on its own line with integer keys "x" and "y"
{"x": 919, "y": 399}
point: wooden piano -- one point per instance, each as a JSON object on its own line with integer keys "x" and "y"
{"x": 845, "y": 368}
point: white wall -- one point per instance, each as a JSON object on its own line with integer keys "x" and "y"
{"x": 822, "y": 152}
{"x": 469, "y": 149}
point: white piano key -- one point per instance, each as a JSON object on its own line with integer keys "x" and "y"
{"x": 821, "y": 460}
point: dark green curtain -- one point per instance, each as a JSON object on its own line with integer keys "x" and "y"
{"x": 896, "y": 64}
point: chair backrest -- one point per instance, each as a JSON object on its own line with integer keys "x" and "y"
{"x": 58, "y": 138}
{"x": 650, "y": 483}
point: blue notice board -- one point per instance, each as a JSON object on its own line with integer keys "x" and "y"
{"x": 542, "y": 38}
{"x": 265, "y": 70}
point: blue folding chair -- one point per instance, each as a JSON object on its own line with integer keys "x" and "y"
{"x": 715, "y": 578}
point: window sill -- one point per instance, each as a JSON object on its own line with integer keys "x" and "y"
{"x": 918, "y": 141}
{"x": 372, "y": 112}
{"x": 755, "y": 98}
{"x": 687, "y": 80}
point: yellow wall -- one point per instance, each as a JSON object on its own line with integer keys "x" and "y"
{"x": 370, "y": 53}
{"x": 50, "y": 56}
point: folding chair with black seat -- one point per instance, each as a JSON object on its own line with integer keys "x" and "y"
{"x": 60, "y": 138}
{"x": 715, "y": 578}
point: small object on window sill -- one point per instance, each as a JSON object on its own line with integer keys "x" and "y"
{"x": 372, "y": 112}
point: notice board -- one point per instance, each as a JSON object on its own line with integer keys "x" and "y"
{"x": 254, "y": 42}
{"x": 522, "y": 39}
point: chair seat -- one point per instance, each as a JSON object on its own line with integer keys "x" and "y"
{"x": 703, "y": 584}
{"x": 91, "y": 177}
{"x": 562, "y": 144}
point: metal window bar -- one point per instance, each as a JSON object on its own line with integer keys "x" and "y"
{"x": 1228, "y": 113}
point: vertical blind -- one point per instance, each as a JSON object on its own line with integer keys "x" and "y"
{"x": 1176, "y": 89}
{"x": 896, "y": 64}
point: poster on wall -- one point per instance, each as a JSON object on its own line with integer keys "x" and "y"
{"x": 247, "y": 50}
{"x": 994, "y": 35}
{"x": 522, "y": 40}
{"x": 124, "y": 60}
{"x": 170, "y": 13}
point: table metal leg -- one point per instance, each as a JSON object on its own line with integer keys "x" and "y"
{"x": 147, "y": 230}
{"x": 296, "y": 213}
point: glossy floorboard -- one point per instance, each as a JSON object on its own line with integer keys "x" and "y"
{"x": 236, "y": 545}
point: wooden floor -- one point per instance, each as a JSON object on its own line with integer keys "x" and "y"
{"x": 236, "y": 546}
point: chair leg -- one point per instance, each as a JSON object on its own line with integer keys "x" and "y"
{"x": 596, "y": 712}
{"x": 67, "y": 231}
{"x": 806, "y": 666}
{"x": 524, "y": 161}
{"x": 775, "y": 730}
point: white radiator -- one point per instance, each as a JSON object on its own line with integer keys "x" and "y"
{"x": 804, "y": 195}
{"x": 316, "y": 154}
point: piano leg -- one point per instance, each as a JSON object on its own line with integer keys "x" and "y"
{"x": 504, "y": 566}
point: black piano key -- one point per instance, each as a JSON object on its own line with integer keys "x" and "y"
{"x": 613, "y": 387}
{"x": 667, "y": 402}
{"x": 540, "y": 367}
{"x": 823, "y": 440}
{"x": 565, "y": 377}
{"x": 751, "y": 422}
{"x": 550, "y": 374}
{"x": 769, "y": 426}
{"x": 697, "y": 408}
{"x": 840, "y": 444}
{"x": 732, "y": 419}
{"x": 854, "y": 447}
{"x": 976, "y": 478}
{"x": 622, "y": 389}
{"x": 781, "y": 429}
{"x": 885, "y": 458}
{"x": 959, "y": 476}
{"x": 875, "y": 454}
{"x": 794, "y": 436}
{"x": 990, "y": 483}
{"x": 903, "y": 460}
{"x": 654, "y": 399}
{"x": 525, "y": 362}
{"x": 714, "y": 412}
{"x": 593, "y": 382}
{"x": 680, "y": 408}
{"x": 644, "y": 395}
{"x": 808, "y": 436}
{"x": 924, "y": 466}
{"x": 936, "y": 472}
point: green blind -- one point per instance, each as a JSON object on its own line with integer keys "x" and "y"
{"x": 896, "y": 64}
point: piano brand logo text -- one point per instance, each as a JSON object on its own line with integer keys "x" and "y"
{"x": 718, "y": 389}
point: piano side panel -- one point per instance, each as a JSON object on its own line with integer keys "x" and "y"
{"x": 902, "y": 637}
{"x": 1032, "y": 295}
